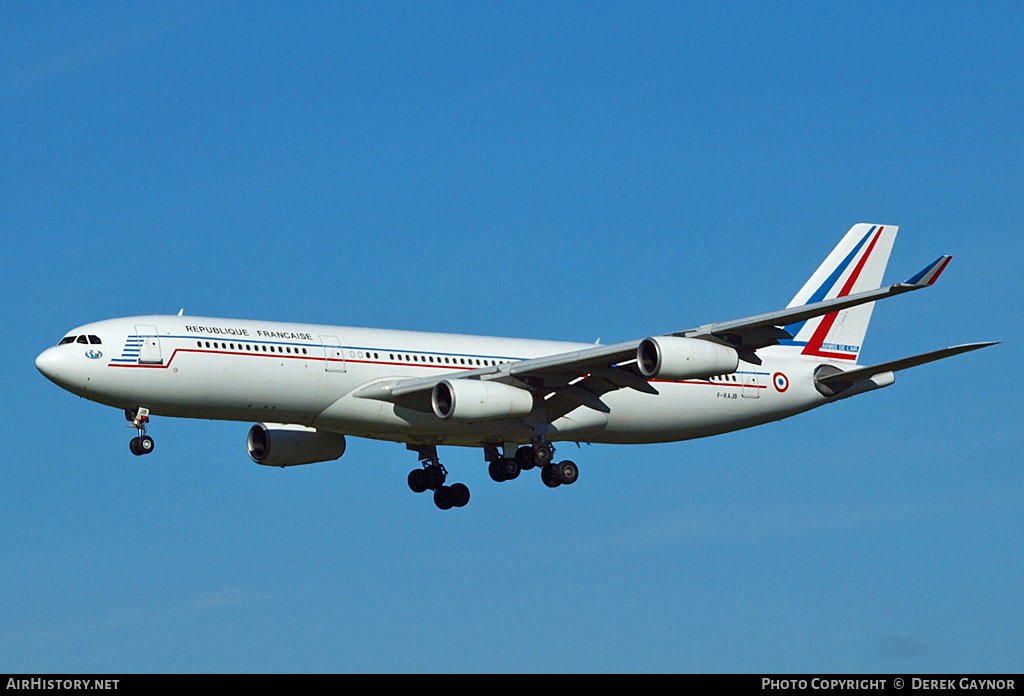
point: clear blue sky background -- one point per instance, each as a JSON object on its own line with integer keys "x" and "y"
{"x": 550, "y": 170}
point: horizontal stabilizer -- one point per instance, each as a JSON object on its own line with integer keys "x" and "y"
{"x": 930, "y": 273}
{"x": 838, "y": 381}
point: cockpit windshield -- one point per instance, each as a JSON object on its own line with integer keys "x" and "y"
{"x": 94, "y": 340}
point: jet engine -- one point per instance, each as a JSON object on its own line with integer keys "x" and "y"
{"x": 276, "y": 444}
{"x": 674, "y": 358}
{"x": 473, "y": 400}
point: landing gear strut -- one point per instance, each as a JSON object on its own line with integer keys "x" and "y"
{"x": 432, "y": 477}
{"x": 143, "y": 444}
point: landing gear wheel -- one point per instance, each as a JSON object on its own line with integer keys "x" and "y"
{"x": 418, "y": 480}
{"x": 460, "y": 494}
{"x": 566, "y": 472}
{"x": 549, "y": 477}
{"x": 443, "y": 498}
{"x": 543, "y": 455}
{"x": 525, "y": 458}
{"x": 503, "y": 469}
{"x": 494, "y": 471}
{"x": 141, "y": 445}
{"x": 510, "y": 468}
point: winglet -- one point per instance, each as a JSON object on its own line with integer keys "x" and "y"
{"x": 930, "y": 273}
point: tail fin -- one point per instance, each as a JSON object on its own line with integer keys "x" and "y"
{"x": 855, "y": 265}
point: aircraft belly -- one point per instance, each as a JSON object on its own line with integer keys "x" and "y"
{"x": 686, "y": 411}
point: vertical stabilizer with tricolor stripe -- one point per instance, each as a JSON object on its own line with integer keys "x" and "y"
{"x": 855, "y": 265}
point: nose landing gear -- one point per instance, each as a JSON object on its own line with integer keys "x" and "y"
{"x": 143, "y": 444}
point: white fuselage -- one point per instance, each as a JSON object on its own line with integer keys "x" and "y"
{"x": 306, "y": 374}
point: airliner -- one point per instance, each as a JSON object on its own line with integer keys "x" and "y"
{"x": 309, "y": 386}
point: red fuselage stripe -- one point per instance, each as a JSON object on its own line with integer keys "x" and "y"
{"x": 382, "y": 362}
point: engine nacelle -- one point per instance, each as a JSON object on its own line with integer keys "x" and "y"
{"x": 474, "y": 399}
{"x": 674, "y": 357}
{"x": 276, "y": 444}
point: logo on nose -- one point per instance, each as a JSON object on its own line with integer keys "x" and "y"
{"x": 94, "y": 354}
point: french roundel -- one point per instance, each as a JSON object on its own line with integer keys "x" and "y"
{"x": 781, "y": 382}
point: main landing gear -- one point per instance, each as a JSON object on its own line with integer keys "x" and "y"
{"x": 432, "y": 477}
{"x": 143, "y": 444}
{"x": 540, "y": 455}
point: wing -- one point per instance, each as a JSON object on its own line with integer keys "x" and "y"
{"x": 581, "y": 377}
{"x": 751, "y": 333}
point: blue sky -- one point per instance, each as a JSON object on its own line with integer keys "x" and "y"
{"x": 550, "y": 170}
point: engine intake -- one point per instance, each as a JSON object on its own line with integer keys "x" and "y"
{"x": 473, "y": 399}
{"x": 275, "y": 444}
{"x": 674, "y": 358}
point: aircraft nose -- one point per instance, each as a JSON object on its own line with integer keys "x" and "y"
{"x": 50, "y": 362}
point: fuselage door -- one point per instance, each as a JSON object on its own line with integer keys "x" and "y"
{"x": 751, "y": 384}
{"x": 334, "y": 353}
{"x": 149, "y": 350}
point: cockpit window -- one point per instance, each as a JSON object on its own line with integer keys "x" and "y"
{"x": 82, "y": 339}
{"x": 67, "y": 339}
{"x": 94, "y": 339}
